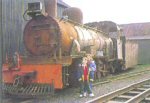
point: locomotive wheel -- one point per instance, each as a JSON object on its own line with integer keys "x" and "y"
{"x": 99, "y": 74}
{"x": 112, "y": 69}
{"x": 104, "y": 74}
{"x": 105, "y": 70}
{"x": 123, "y": 67}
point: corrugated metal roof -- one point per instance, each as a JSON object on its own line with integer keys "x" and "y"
{"x": 60, "y": 2}
{"x": 133, "y": 29}
{"x": 136, "y": 29}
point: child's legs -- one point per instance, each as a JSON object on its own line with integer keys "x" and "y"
{"x": 87, "y": 87}
{"x": 91, "y": 78}
{"x": 92, "y": 75}
{"x": 81, "y": 87}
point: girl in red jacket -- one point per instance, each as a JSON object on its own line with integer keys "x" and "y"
{"x": 84, "y": 80}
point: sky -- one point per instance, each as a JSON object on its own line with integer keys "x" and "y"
{"x": 119, "y": 11}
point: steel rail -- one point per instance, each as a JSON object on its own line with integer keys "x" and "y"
{"x": 130, "y": 73}
{"x": 107, "y": 97}
{"x": 139, "y": 97}
{"x": 122, "y": 76}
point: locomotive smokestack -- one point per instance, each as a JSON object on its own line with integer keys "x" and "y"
{"x": 51, "y": 7}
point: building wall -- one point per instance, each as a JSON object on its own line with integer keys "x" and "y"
{"x": 144, "y": 51}
{"x": 60, "y": 10}
{"x": 137, "y": 52}
{"x": 13, "y": 24}
{"x": 131, "y": 53}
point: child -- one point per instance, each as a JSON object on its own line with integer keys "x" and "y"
{"x": 92, "y": 69}
{"x": 85, "y": 79}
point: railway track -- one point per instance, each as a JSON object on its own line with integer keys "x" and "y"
{"x": 135, "y": 93}
{"x": 121, "y": 76}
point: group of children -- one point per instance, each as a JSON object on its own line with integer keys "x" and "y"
{"x": 86, "y": 69}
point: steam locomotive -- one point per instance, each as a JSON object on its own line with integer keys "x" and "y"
{"x": 54, "y": 47}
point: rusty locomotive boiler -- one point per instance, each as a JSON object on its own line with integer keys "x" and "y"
{"x": 54, "y": 46}
{"x": 47, "y": 36}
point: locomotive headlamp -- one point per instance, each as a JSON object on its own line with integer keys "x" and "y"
{"x": 34, "y": 8}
